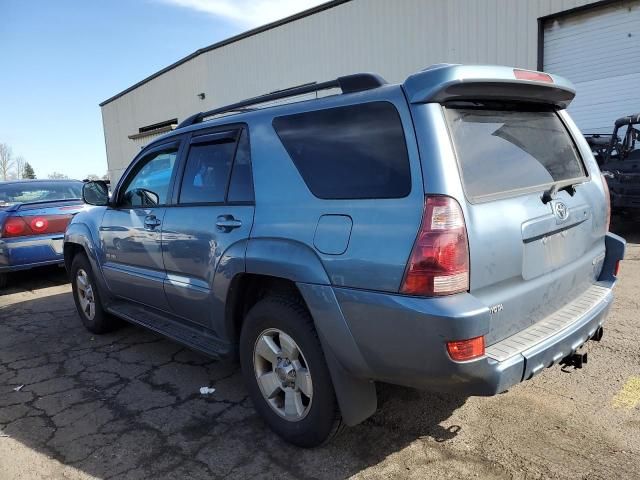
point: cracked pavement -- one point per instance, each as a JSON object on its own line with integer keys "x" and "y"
{"x": 127, "y": 405}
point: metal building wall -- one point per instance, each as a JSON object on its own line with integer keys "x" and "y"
{"x": 393, "y": 38}
{"x": 599, "y": 50}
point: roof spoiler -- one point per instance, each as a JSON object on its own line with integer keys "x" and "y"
{"x": 445, "y": 82}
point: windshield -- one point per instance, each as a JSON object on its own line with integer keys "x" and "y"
{"x": 502, "y": 151}
{"x": 27, "y": 192}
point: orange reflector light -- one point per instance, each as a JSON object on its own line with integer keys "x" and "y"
{"x": 535, "y": 76}
{"x": 462, "y": 350}
{"x": 616, "y": 269}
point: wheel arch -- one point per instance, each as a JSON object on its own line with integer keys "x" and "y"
{"x": 284, "y": 267}
{"x": 78, "y": 239}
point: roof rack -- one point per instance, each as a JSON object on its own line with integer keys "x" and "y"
{"x": 348, "y": 84}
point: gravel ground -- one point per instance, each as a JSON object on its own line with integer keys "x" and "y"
{"x": 127, "y": 405}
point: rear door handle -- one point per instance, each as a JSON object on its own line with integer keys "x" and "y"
{"x": 227, "y": 223}
{"x": 151, "y": 222}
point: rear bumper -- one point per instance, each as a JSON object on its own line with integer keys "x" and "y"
{"x": 402, "y": 340}
{"x": 30, "y": 252}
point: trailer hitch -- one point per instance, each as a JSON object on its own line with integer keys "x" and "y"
{"x": 576, "y": 360}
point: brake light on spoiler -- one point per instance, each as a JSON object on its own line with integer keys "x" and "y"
{"x": 532, "y": 75}
{"x": 452, "y": 83}
{"x": 35, "y": 225}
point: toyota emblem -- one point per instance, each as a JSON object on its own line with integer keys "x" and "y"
{"x": 561, "y": 211}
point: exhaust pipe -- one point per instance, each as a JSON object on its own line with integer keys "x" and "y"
{"x": 598, "y": 335}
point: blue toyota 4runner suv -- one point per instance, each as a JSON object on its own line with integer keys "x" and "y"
{"x": 448, "y": 233}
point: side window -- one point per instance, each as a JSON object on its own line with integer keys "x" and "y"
{"x": 207, "y": 172}
{"x": 351, "y": 152}
{"x": 241, "y": 184}
{"x": 209, "y": 165}
{"x": 149, "y": 186}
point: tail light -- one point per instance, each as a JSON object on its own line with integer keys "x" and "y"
{"x": 462, "y": 350}
{"x": 607, "y": 198}
{"x": 35, "y": 225}
{"x": 439, "y": 262}
{"x": 14, "y": 227}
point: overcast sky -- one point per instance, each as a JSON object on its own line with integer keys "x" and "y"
{"x": 61, "y": 58}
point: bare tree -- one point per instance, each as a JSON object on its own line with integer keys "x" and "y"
{"x": 6, "y": 161}
{"x": 20, "y": 163}
{"x": 92, "y": 177}
{"x": 57, "y": 176}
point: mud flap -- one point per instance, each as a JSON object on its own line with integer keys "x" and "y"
{"x": 615, "y": 247}
{"x": 355, "y": 393}
{"x": 356, "y": 397}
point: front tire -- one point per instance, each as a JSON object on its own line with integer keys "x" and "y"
{"x": 286, "y": 374}
{"x": 87, "y": 298}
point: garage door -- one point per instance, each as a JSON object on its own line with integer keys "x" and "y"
{"x": 599, "y": 51}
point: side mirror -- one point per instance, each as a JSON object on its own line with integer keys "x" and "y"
{"x": 96, "y": 193}
{"x": 141, "y": 197}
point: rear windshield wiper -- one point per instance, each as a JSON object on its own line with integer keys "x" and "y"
{"x": 550, "y": 194}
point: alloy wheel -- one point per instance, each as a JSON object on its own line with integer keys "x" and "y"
{"x": 283, "y": 374}
{"x": 85, "y": 294}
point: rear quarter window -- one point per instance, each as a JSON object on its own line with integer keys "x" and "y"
{"x": 351, "y": 152}
{"x": 503, "y": 151}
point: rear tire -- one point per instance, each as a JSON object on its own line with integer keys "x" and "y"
{"x": 87, "y": 298}
{"x": 294, "y": 395}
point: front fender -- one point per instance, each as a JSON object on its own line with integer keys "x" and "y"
{"x": 80, "y": 234}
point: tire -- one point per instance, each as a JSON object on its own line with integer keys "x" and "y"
{"x": 87, "y": 299}
{"x": 3, "y": 280}
{"x": 274, "y": 322}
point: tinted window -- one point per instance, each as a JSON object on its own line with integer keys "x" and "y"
{"x": 357, "y": 151}
{"x": 149, "y": 186}
{"x": 25, "y": 192}
{"x": 241, "y": 185}
{"x": 207, "y": 171}
{"x": 503, "y": 150}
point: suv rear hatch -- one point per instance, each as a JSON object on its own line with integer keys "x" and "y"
{"x": 535, "y": 219}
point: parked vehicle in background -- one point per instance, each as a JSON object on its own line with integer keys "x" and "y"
{"x": 448, "y": 233}
{"x": 33, "y": 217}
{"x": 619, "y": 158}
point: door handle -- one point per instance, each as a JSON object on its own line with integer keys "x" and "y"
{"x": 227, "y": 223}
{"x": 151, "y": 222}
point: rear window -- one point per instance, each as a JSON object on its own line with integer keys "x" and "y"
{"x": 503, "y": 151}
{"x": 351, "y": 152}
{"x": 28, "y": 192}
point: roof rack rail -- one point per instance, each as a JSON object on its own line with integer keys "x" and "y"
{"x": 348, "y": 84}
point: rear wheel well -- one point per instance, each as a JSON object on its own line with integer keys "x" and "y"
{"x": 248, "y": 289}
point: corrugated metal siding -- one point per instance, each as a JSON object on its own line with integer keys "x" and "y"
{"x": 393, "y": 38}
{"x": 599, "y": 51}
